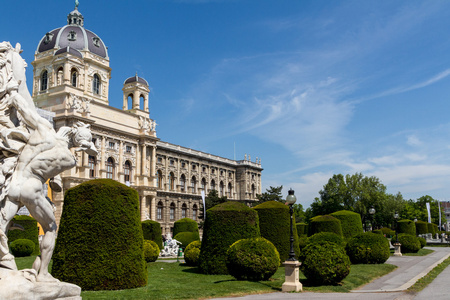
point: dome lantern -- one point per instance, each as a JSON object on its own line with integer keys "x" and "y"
{"x": 75, "y": 17}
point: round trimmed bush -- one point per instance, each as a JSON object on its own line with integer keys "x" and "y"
{"x": 325, "y": 223}
{"x": 302, "y": 243}
{"x": 225, "y": 224}
{"x": 185, "y": 238}
{"x": 325, "y": 263}
{"x": 275, "y": 225}
{"x": 30, "y": 231}
{"x": 302, "y": 228}
{"x": 410, "y": 243}
{"x": 185, "y": 225}
{"x": 378, "y": 231}
{"x": 22, "y": 247}
{"x": 423, "y": 242}
{"x": 100, "y": 240}
{"x": 322, "y": 237}
{"x": 421, "y": 227}
{"x": 407, "y": 226}
{"x": 350, "y": 222}
{"x": 152, "y": 232}
{"x": 151, "y": 251}
{"x": 368, "y": 248}
{"x": 252, "y": 259}
{"x": 192, "y": 253}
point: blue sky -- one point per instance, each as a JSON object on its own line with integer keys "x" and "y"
{"x": 313, "y": 88}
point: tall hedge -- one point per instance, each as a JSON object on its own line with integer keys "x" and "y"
{"x": 351, "y": 223}
{"x": 407, "y": 226}
{"x": 100, "y": 240}
{"x": 275, "y": 224}
{"x": 30, "y": 232}
{"x": 421, "y": 227}
{"x": 225, "y": 224}
{"x": 152, "y": 232}
{"x": 185, "y": 225}
{"x": 325, "y": 223}
{"x": 302, "y": 228}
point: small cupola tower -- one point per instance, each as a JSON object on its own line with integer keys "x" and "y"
{"x": 135, "y": 88}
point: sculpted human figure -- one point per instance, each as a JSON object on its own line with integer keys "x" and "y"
{"x": 31, "y": 153}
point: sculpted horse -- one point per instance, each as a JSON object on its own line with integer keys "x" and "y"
{"x": 31, "y": 153}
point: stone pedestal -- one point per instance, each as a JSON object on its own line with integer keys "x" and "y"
{"x": 292, "y": 282}
{"x": 397, "y": 251}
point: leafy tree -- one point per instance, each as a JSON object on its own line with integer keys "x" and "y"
{"x": 354, "y": 193}
{"x": 271, "y": 194}
{"x": 417, "y": 209}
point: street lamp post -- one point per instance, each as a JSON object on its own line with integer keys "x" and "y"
{"x": 397, "y": 245}
{"x": 291, "y": 282}
{"x": 372, "y": 213}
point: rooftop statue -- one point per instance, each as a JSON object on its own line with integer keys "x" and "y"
{"x": 31, "y": 152}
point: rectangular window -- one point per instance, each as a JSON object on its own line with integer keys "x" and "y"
{"x": 111, "y": 145}
{"x": 159, "y": 213}
{"x": 128, "y": 149}
{"x": 172, "y": 213}
{"x": 194, "y": 214}
{"x": 183, "y": 212}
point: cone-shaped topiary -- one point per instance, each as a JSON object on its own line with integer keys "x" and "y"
{"x": 350, "y": 222}
{"x": 100, "y": 242}
{"x": 252, "y": 259}
{"x": 151, "y": 251}
{"x": 192, "y": 253}
{"x": 325, "y": 223}
{"x": 225, "y": 224}
{"x": 325, "y": 263}
{"x": 184, "y": 225}
{"x": 421, "y": 227}
{"x": 185, "y": 238}
{"x": 368, "y": 248}
{"x": 407, "y": 226}
{"x": 30, "y": 232}
{"x": 22, "y": 247}
{"x": 152, "y": 232}
{"x": 274, "y": 225}
{"x": 410, "y": 243}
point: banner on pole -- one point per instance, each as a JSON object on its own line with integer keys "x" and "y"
{"x": 428, "y": 210}
{"x": 204, "y": 205}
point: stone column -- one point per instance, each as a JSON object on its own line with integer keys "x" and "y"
{"x": 136, "y": 100}
{"x": 125, "y": 102}
{"x": 146, "y": 103}
{"x": 103, "y": 157}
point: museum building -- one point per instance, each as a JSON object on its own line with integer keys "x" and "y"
{"x": 71, "y": 83}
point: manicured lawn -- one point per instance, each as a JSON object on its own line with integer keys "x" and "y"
{"x": 177, "y": 281}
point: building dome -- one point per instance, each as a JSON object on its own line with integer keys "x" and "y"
{"x": 136, "y": 78}
{"x": 73, "y": 36}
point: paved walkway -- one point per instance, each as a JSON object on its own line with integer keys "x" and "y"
{"x": 388, "y": 287}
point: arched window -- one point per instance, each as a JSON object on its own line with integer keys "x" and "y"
{"x": 213, "y": 185}
{"x": 253, "y": 191}
{"x": 159, "y": 179}
{"x": 44, "y": 80}
{"x": 183, "y": 182}
{"x": 183, "y": 210}
{"x": 171, "y": 181}
{"x": 230, "y": 189}
{"x": 193, "y": 184}
{"x": 204, "y": 184}
{"x": 194, "y": 212}
{"x": 110, "y": 168}
{"x": 92, "y": 163}
{"x": 172, "y": 211}
{"x": 73, "y": 78}
{"x": 221, "y": 189}
{"x": 127, "y": 171}
{"x": 159, "y": 211}
{"x": 60, "y": 76}
{"x": 96, "y": 84}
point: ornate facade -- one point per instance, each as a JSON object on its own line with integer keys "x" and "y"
{"x": 71, "y": 80}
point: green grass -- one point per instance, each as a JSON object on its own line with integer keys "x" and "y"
{"x": 422, "y": 252}
{"x": 178, "y": 281}
{"x": 427, "y": 279}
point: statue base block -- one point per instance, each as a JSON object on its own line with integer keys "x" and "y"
{"x": 397, "y": 251}
{"x": 292, "y": 277}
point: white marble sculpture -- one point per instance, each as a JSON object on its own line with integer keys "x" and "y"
{"x": 171, "y": 247}
{"x": 31, "y": 152}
